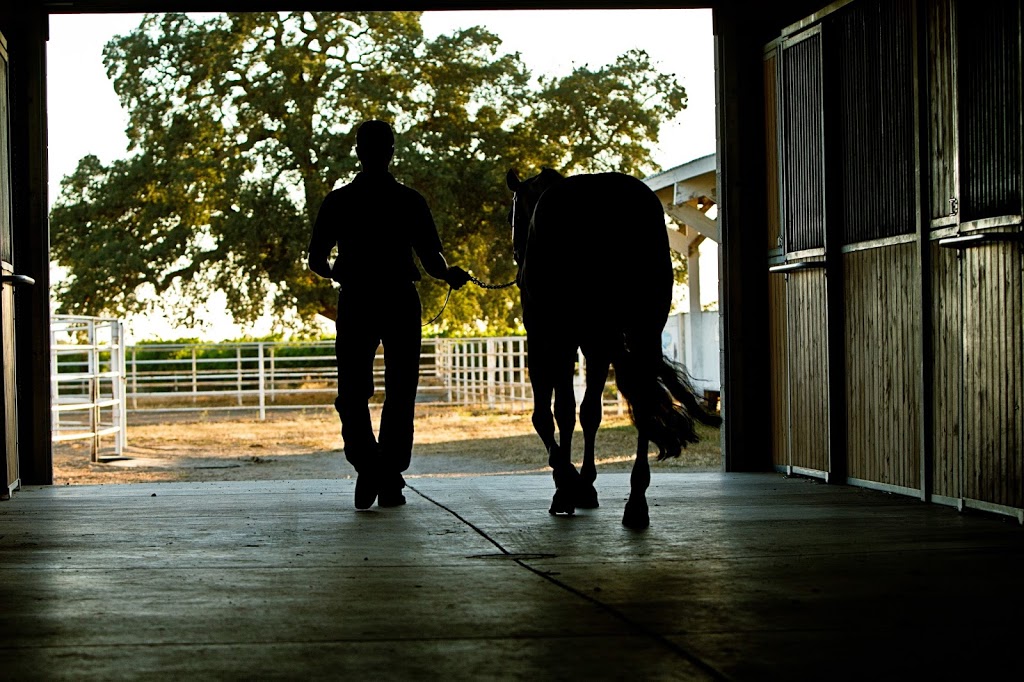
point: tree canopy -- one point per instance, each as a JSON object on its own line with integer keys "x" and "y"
{"x": 240, "y": 124}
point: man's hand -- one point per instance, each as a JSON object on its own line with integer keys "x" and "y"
{"x": 456, "y": 277}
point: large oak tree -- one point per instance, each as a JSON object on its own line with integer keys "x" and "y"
{"x": 241, "y": 123}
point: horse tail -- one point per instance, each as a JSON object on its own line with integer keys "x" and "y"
{"x": 663, "y": 403}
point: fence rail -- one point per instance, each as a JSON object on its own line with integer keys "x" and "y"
{"x": 97, "y": 380}
{"x": 261, "y": 376}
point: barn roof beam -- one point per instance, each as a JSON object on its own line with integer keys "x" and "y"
{"x": 696, "y": 219}
{"x": 687, "y": 192}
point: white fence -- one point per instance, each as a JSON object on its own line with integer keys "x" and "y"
{"x": 262, "y": 376}
{"x": 87, "y": 383}
{"x": 97, "y": 381}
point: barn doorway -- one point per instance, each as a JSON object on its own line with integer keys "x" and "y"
{"x": 249, "y": 460}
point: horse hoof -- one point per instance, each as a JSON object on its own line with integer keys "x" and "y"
{"x": 586, "y": 497}
{"x": 562, "y": 503}
{"x": 636, "y": 517}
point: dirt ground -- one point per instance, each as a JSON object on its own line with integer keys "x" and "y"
{"x": 304, "y": 445}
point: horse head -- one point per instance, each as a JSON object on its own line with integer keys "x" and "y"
{"x": 525, "y": 195}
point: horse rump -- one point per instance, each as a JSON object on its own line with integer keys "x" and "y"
{"x": 663, "y": 403}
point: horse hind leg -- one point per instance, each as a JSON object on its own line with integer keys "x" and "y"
{"x": 637, "y": 514}
{"x": 590, "y": 419}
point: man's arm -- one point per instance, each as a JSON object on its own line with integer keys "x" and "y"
{"x": 434, "y": 263}
{"x": 322, "y": 241}
{"x": 428, "y": 248}
{"x": 437, "y": 267}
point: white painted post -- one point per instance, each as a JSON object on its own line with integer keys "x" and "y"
{"x": 448, "y": 365}
{"x": 135, "y": 380}
{"x": 465, "y": 370}
{"x": 54, "y": 384}
{"x": 195, "y": 377}
{"x": 499, "y": 371}
{"x": 238, "y": 366}
{"x": 118, "y": 379}
{"x": 693, "y": 357}
{"x": 479, "y": 362}
{"x": 94, "y": 389}
{"x": 273, "y": 369}
{"x": 523, "y": 378}
{"x": 490, "y": 369}
{"x": 262, "y": 380}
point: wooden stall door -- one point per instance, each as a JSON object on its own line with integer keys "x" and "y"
{"x": 993, "y": 374}
{"x": 808, "y": 371}
{"x": 979, "y": 371}
{"x": 799, "y": 290}
{"x": 976, "y": 257}
{"x": 777, "y": 316}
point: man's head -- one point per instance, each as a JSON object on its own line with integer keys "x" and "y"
{"x": 375, "y": 144}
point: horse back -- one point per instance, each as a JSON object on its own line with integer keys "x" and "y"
{"x": 601, "y": 239}
{"x": 602, "y": 218}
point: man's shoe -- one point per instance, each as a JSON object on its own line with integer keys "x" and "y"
{"x": 366, "y": 489}
{"x": 391, "y": 490}
{"x": 390, "y": 498}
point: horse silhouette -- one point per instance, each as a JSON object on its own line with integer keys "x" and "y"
{"x": 595, "y": 275}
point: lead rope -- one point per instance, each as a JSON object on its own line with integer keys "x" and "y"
{"x": 485, "y": 285}
{"x": 443, "y": 306}
{"x": 474, "y": 280}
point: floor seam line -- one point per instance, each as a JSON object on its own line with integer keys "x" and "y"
{"x": 461, "y": 518}
{"x": 678, "y": 650}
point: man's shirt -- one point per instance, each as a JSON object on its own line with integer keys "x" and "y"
{"x": 376, "y": 223}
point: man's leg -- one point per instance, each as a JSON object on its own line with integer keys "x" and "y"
{"x": 355, "y": 347}
{"x": 401, "y": 379}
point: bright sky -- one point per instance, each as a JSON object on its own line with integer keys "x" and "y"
{"x": 85, "y": 116}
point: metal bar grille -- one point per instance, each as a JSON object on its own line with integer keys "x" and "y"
{"x": 989, "y": 70}
{"x": 804, "y": 195}
{"x": 871, "y": 47}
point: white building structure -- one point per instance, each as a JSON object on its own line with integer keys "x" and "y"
{"x": 689, "y": 194}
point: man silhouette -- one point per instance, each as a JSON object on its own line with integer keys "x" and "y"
{"x": 376, "y": 223}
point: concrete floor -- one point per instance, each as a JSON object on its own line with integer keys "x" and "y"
{"x": 744, "y": 576}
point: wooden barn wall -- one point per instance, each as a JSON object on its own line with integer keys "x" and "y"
{"x": 947, "y": 371}
{"x": 847, "y": 107}
{"x": 803, "y": 139}
{"x": 771, "y": 128}
{"x": 870, "y": 52}
{"x": 808, "y": 354}
{"x": 778, "y": 356}
{"x": 882, "y": 361}
{"x": 989, "y": 82}
{"x": 941, "y": 134}
{"x": 993, "y": 374}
